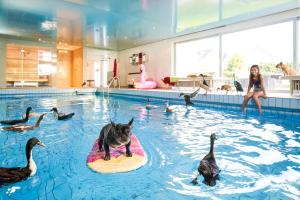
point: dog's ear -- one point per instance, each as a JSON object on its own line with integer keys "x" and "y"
{"x": 130, "y": 123}
{"x": 112, "y": 123}
{"x": 280, "y": 63}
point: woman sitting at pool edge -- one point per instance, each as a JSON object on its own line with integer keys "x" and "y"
{"x": 255, "y": 81}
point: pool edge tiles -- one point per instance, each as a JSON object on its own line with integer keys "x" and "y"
{"x": 281, "y": 105}
{"x": 4, "y": 93}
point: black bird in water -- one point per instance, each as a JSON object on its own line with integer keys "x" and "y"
{"x": 61, "y": 116}
{"x": 237, "y": 85}
{"x": 187, "y": 97}
{"x": 16, "y": 174}
{"x": 18, "y": 121}
{"x": 24, "y": 127}
{"x": 208, "y": 167}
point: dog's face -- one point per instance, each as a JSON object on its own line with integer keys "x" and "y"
{"x": 287, "y": 70}
{"x": 279, "y": 65}
{"x": 122, "y": 132}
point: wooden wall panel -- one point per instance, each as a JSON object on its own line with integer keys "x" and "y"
{"x": 77, "y": 68}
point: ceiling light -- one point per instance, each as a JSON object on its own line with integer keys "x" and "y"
{"x": 49, "y": 25}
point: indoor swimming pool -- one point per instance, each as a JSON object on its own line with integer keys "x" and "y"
{"x": 259, "y": 156}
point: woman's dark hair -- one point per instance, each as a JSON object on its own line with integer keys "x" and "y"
{"x": 251, "y": 75}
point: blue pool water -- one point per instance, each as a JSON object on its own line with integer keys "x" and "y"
{"x": 259, "y": 156}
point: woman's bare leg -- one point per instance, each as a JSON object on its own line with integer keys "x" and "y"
{"x": 256, "y": 95}
{"x": 246, "y": 100}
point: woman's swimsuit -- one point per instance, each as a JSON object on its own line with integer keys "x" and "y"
{"x": 257, "y": 86}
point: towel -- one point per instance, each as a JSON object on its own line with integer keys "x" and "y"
{"x": 174, "y": 79}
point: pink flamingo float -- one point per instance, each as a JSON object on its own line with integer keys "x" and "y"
{"x": 145, "y": 83}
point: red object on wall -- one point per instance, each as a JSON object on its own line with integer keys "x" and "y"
{"x": 115, "y": 68}
{"x": 140, "y": 58}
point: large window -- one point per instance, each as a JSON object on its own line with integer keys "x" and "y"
{"x": 197, "y": 14}
{"x": 232, "y": 8}
{"x": 199, "y": 56}
{"x": 298, "y": 67}
{"x": 194, "y": 13}
{"x": 265, "y": 46}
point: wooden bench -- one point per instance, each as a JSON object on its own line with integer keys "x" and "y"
{"x": 26, "y": 79}
{"x": 26, "y": 83}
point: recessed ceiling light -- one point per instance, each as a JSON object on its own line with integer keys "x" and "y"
{"x": 49, "y": 25}
{"x": 81, "y": 2}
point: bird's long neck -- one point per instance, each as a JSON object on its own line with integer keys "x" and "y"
{"x": 30, "y": 162}
{"x": 27, "y": 115}
{"x": 37, "y": 124}
{"x": 212, "y": 141}
{"x": 55, "y": 114}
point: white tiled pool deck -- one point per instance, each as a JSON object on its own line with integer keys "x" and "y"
{"x": 282, "y": 102}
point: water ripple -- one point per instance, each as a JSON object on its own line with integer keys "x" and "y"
{"x": 258, "y": 156}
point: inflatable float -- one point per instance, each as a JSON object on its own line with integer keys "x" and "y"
{"x": 118, "y": 162}
{"x": 144, "y": 83}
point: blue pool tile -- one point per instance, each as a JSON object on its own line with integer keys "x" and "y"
{"x": 212, "y": 97}
{"x": 294, "y": 103}
{"x": 231, "y": 99}
{"x": 286, "y": 103}
{"x": 217, "y": 98}
{"x": 264, "y": 102}
{"x": 278, "y": 102}
{"x": 272, "y": 102}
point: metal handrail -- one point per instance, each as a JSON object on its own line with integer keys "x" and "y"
{"x": 113, "y": 82}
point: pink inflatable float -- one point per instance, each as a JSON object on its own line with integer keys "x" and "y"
{"x": 145, "y": 83}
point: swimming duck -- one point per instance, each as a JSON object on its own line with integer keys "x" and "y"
{"x": 208, "y": 167}
{"x": 61, "y": 116}
{"x": 32, "y": 114}
{"x": 17, "y": 121}
{"x": 187, "y": 97}
{"x": 168, "y": 109}
{"x": 77, "y": 93}
{"x": 25, "y": 127}
{"x": 16, "y": 174}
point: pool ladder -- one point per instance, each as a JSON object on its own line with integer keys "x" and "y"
{"x": 112, "y": 82}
